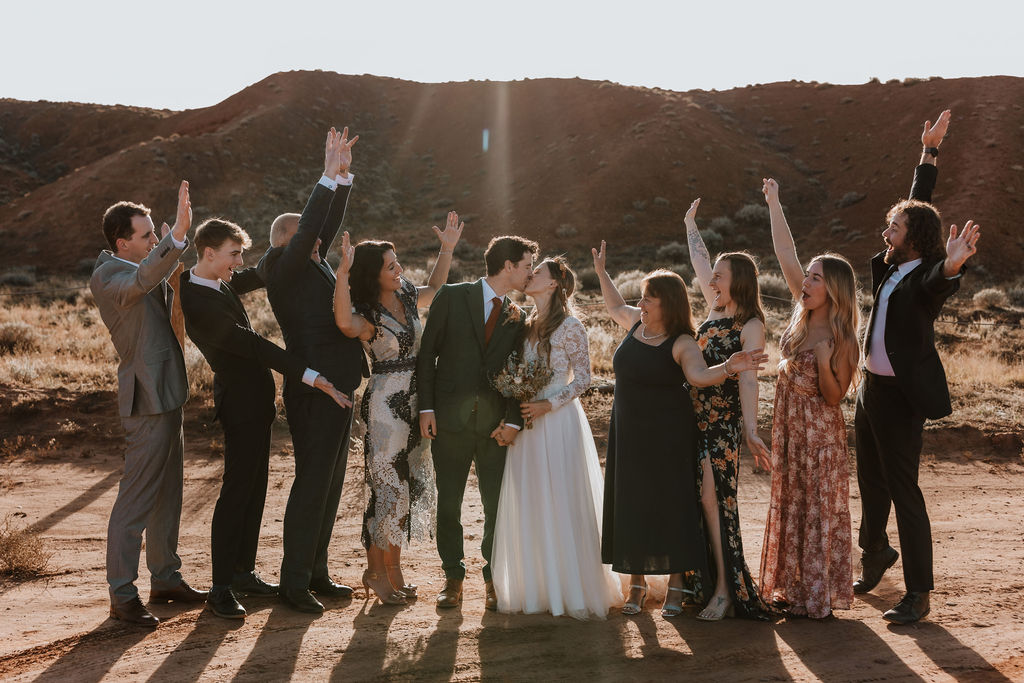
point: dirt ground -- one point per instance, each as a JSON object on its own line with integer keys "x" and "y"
{"x": 56, "y": 627}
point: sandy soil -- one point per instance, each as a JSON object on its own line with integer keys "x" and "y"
{"x": 56, "y": 627}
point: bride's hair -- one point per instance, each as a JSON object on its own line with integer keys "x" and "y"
{"x": 561, "y": 306}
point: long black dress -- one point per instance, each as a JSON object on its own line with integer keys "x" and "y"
{"x": 652, "y": 522}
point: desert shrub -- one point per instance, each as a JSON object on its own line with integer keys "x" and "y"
{"x": 683, "y": 270}
{"x": 18, "y": 277}
{"x": 23, "y": 554}
{"x": 640, "y": 204}
{"x": 849, "y": 199}
{"x": 713, "y": 240}
{"x": 588, "y": 278}
{"x": 17, "y": 336}
{"x": 602, "y": 347}
{"x": 629, "y": 284}
{"x": 991, "y": 297}
{"x": 628, "y": 219}
{"x": 754, "y": 214}
{"x": 672, "y": 252}
{"x": 774, "y": 286}
{"x": 1015, "y": 293}
{"x": 200, "y": 376}
{"x": 566, "y": 230}
{"x": 661, "y": 201}
{"x": 22, "y": 370}
{"x": 722, "y": 224}
{"x": 417, "y": 276}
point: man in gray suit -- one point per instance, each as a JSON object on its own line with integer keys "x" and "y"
{"x": 129, "y": 284}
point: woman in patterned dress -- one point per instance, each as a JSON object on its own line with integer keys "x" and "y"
{"x": 806, "y": 560}
{"x": 727, "y": 414}
{"x": 372, "y": 301}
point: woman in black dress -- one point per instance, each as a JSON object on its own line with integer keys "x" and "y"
{"x": 652, "y": 522}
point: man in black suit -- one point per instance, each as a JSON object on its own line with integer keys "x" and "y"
{"x": 243, "y": 392}
{"x": 300, "y": 287}
{"x": 904, "y": 382}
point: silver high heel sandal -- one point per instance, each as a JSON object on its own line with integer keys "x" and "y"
{"x": 633, "y": 608}
{"x": 668, "y": 611}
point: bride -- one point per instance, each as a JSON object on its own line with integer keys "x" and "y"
{"x": 547, "y": 546}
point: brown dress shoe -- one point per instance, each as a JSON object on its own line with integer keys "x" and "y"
{"x": 451, "y": 594}
{"x": 180, "y": 593}
{"x": 491, "y": 602}
{"x": 134, "y": 612}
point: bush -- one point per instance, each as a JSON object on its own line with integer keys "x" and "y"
{"x": 992, "y": 297}
{"x": 1016, "y": 293}
{"x": 683, "y": 270}
{"x": 849, "y": 199}
{"x": 17, "y": 336}
{"x": 713, "y": 240}
{"x": 672, "y": 252}
{"x": 774, "y": 286}
{"x": 754, "y": 214}
{"x": 565, "y": 230}
{"x": 588, "y": 279}
{"x": 18, "y": 277}
{"x": 722, "y": 224}
{"x": 21, "y": 370}
{"x": 417, "y": 276}
{"x": 629, "y": 284}
{"x": 22, "y": 552}
{"x": 602, "y": 347}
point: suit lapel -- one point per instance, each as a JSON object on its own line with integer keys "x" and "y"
{"x": 476, "y": 310}
{"x": 236, "y": 304}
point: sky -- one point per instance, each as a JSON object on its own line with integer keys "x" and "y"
{"x": 190, "y": 54}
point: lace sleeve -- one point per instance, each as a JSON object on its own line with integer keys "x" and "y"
{"x": 574, "y": 341}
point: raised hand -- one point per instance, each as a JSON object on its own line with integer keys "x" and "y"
{"x": 599, "y": 258}
{"x": 691, "y": 213}
{"x": 741, "y": 361}
{"x": 348, "y": 253}
{"x": 345, "y": 150}
{"x": 183, "y": 219}
{"x": 770, "y": 190}
{"x": 324, "y": 385}
{"x": 452, "y": 232}
{"x": 932, "y": 135}
{"x": 961, "y": 246}
{"x": 332, "y": 153}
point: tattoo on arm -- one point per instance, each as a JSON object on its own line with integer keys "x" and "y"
{"x": 697, "y": 247}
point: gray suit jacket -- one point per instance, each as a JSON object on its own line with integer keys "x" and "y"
{"x": 135, "y": 305}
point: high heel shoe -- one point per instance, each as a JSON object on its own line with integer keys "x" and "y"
{"x": 388, "y": 596}
{"x": 669, "y": 610}
{"x": 409, "y": 589}
{"x": 634, "y": 608}
{"x": 717, "y": 609}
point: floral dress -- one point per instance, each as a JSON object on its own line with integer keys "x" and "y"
{"x": 399, "y": 469}
{"x": 806, "y": 561}
{"x": 720, "y": 427}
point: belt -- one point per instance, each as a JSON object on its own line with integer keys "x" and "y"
{"x": 883, "y": 380}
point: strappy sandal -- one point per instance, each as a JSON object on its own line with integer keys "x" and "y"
{"x": 633, "y": 608}
{"x": 669, "y": 610}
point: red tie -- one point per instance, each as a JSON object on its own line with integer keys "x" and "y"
{"x": 492, "y": 320}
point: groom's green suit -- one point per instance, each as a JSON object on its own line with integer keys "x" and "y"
{"x": 453, "y": 376}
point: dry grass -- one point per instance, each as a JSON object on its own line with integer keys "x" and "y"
{"x": 17, "y": 337}
{"x": 23, "y": 553}
{"x": 991, "y": 297}
{"x": 980, "y": 369}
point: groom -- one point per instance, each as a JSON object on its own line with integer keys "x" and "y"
{"x": 470, "y": 332}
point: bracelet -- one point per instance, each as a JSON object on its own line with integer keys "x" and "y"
{"x": 933, "y": 151}
{"x": 729, "y": 375}
{"x": 444, "y": 253}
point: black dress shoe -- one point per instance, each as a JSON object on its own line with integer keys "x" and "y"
{"x": 325, "y": 586}
{"x": 134, "y": 612}
{"x": 250, "y": 583}
{"x": 180, "y": 593}
{"x": 874, "y": 565}
{"x": 222, "y": 602}
{"x": 301, "y": 600}
{"x": 911, "y": 608}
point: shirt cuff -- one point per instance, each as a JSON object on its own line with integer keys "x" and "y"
{"x": 426, "y": 411}
{"x": 330, "y": 183}
{"x": 309, "y": 376}
{"x": 344, "y": 179}
{"x": 176, "y": 243}
{"x": 957, "y": 276}
{"x": 515, "y": 427}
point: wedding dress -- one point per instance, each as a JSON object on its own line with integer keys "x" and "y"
{"x": 547, "y": 545}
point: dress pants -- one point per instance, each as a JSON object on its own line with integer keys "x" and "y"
{"x": 320, "y": 436}
{"x": 238, "y": 515}
{"x": 148, "y": 498}
{"x": 888, "y": 434}
{"x": 453, "y": 453}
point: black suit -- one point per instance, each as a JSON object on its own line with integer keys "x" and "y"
{"x": 891, "y": 410}
{"x": 243, "y": 393}
{"x": 301, "y": 292}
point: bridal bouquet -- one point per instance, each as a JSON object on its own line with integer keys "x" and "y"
{"x": 522, "y": 379}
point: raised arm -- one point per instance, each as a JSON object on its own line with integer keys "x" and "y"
{"x": 439, "y": 274}
{"x": 689, "y": 357}
{"x": 351, "y": 324}
{"x": 782, "y": 239}
{"x": 624, "y": 315}
{"x": 927, "y": 172}
{"x": 700, "y": 259}
{"x": 336, "y": 215}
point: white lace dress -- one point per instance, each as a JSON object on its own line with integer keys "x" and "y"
{"x": 547, "y": 539}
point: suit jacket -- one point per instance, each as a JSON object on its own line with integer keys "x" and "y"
{"x": 243, "y": 388}
{"x": 454, "y": 367}
{"x": 914, "y": 305}
{"x": 301, "y": 293}
{"x": 135, "y": 305}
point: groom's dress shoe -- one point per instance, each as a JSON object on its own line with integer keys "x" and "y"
{"x": 180, "y": 593}
{"x": 874, "y": 565}
{"x": 451, "y": 594}
{"x": 223, "y": 603}
{"x": 301, "y": 600}
{"x": 325, "y": 586}
{"x": 911, "y": 608}
{"x": 491, "y": 602}
{"x": 134, "y": 612}
{"x": 251, "y": 584}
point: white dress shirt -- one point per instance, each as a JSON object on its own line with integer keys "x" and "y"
{"x": 878, "y": 360}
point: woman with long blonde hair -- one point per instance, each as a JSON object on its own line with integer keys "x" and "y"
{"x": 806, "y": 563}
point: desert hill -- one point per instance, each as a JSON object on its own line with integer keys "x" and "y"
{"x": 566, "y": 161}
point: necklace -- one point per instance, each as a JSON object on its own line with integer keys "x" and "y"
{"x": 644, "y": 336}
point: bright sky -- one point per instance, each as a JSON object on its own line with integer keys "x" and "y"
{"x": 190, "y": 54}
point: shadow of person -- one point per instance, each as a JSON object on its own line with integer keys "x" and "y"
{"x": 276, "y": 650}
{"x": 433, "y": 657}
{"x": 956, "y": 660}
{"x": 731, "y": 649}
{"x": 364, "y": 656}
{"x": 94, "y": 654}
{"x": 192, "y": 655}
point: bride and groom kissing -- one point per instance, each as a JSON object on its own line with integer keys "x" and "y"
{"x": 541, "y": 487}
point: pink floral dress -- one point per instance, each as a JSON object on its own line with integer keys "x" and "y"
{"x": 806, "y": 561}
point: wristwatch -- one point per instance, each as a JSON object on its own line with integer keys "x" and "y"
{"x": 934, "y": 151}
